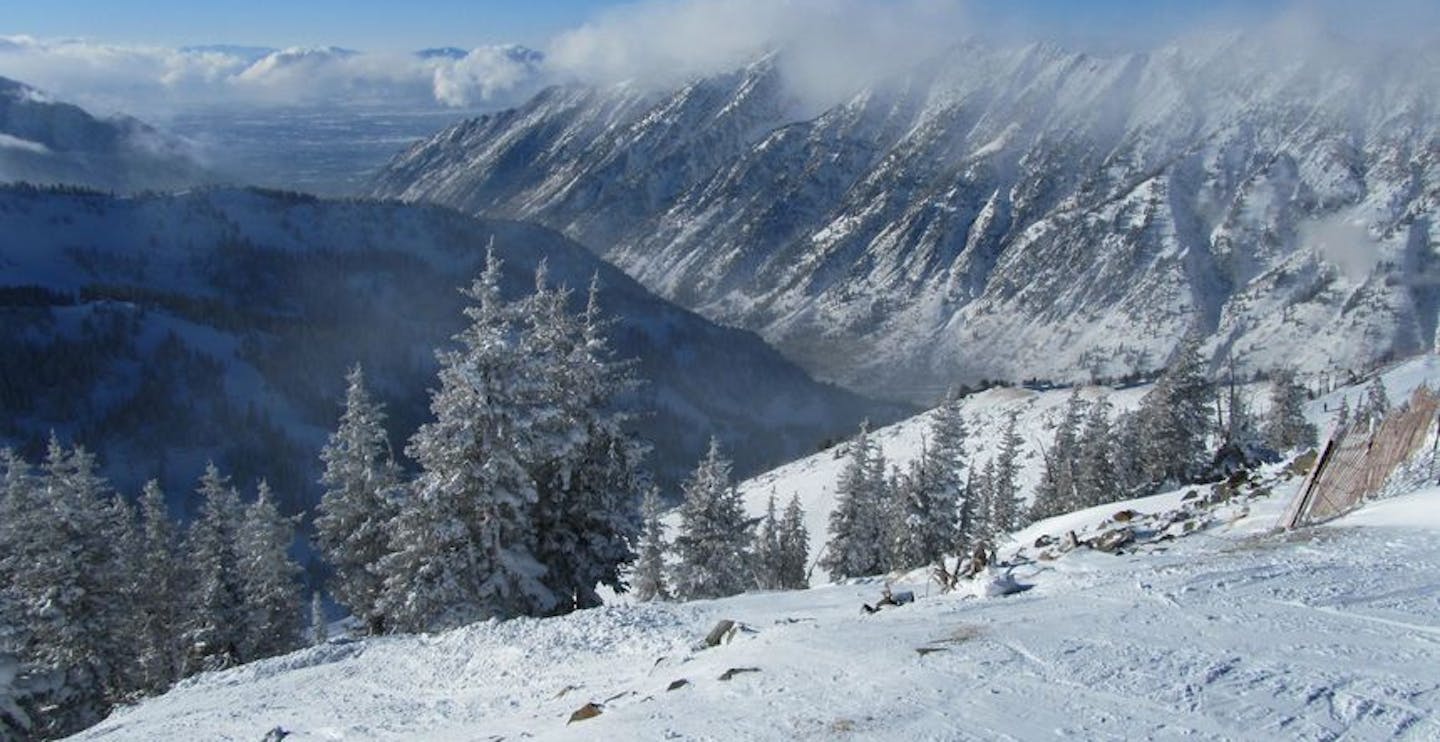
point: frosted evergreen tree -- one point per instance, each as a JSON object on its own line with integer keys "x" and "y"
{"x": 65, "y": 585}
{"x": 945, "y": 473}
{"x": 217, "y": 625}
{"x": 587, "y": 470}
{"x": 1175, "y": 417}
{"x": 986, "y": 529}
{"x": 268, "y": 579}
{"x": 713, "y": 544}
{"x": 769, "y": 556}
{"x": 463, "y": 544}
{"x": 648, "y": 582}
{"x": 1373, "y": 408}
{"x": 794, "y": 547}
{"x": 1006, "y": 507}
{"x": 1130, "y": 470}
{"x": 361, "y": 488}
{"x": 926, "y": 515}
{"x": 1058, "y": 491}
{"x": 1285, "y": 426}
{"x": 1097, "y": 480}
{"x": 159, "y": 594}
{"x": 858, "y": 524}
{"x": 319, "y": 625}
{"x": 970, "y": 526}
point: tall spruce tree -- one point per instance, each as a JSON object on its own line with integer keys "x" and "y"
{"x": 769, "y": 557}
{"x": 217, "y": 624}
{"x": 858, "y": 522}
{"x": 1285, "y": 425}
{"x": 463, "y": 544}
{"x": 160, "y": 594}
{"x": 269, "y": 579}
{"x": 1375, "y": 404}
{"x": 1175, "y": 419}
{"x": 1097, "y": 479}
{"x": 1058, "y": 491}
{"x": 648, "y": 582}
{"x": 362, "y": 485}
{"x": 587, "y": 470}
{"x": 794, "y": 547}
{"x": 1006, "y": 507}
{"x": 713, "y": 545}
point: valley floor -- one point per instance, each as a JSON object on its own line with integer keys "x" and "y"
{"x": 1230, "y": 633}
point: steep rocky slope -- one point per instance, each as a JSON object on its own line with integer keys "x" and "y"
{"x": 1003, "y": 212}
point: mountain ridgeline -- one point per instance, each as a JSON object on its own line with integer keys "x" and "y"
{"x": 162, "y": 331}
{"x": 50, "y": 142}
{"x": 1000, "y": 212}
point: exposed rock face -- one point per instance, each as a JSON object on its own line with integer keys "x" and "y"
{"x": 1002, "y": 212}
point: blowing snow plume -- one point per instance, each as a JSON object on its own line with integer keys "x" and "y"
{"x": 830, "y": 48}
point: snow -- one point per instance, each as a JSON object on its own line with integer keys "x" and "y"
{"x": 1231, "y": 630}
{"x": 1236, "y": 632}
{"x": 813, "y": 478}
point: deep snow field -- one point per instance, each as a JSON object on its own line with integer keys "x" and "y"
{"x": 1231, "y": 631}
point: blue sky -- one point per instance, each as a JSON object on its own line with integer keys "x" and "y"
{"x": 371, "y": 24}
{"x": 387, "y": 24}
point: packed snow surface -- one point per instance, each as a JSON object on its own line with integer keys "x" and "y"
{"x": 1231, "y": 633}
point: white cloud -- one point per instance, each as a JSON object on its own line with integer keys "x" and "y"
{"x": 829, "y": 46}
{"x": 151, "y": 81}
{"x": 24, "y": 145}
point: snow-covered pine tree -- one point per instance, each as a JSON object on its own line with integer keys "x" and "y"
{"x": 159, "y": 594}
{"x": 648, "y": 581}
{"x": 64, "y": 585}
{"x": 794, "y": 547}
{"x": 924, "y": 515}
{"x": 586, "y": 469}
{"x": 1129, "y": 451}
{"x": 1175, "y": 418}
{"x": 768, "y": 561}
{"x": 712, "y": 547}
{"x": 362, "y": 486}
{"x": 1285, "y": 425}
{"x": 216, "y": 623}
{"x": 970, "y": 527}
{"x": 944, "y": 464}
{"x": 268, "y": 579}
{"x": 1375, "y": 405}
{"x": 1006, "y": 508}
{"x": 1096, "y": 479}
{"x": 858, "y": 523}
{"x": 319, "y": 624}
{"x": 463, "y": 543}
{"x": 1058, "y": 492}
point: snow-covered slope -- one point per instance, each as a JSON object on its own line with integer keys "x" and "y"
{"x": 49, "y": 142}
{"x": 162, "y": 330}
{"x": 1001, "y": 212}
{"x": 1229, "y": 633}
{"x": 814, "y": 478}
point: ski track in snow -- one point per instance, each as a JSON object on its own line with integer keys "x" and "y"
{"x": 1237, "y": 633}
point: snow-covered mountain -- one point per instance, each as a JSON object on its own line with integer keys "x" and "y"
{"x": 165, "y": 330}
{"x": 49, "y": 142}
{"x": 1001, "y": 211}
{"x": 1224, "y": 629}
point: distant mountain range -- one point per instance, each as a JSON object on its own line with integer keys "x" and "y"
{"x": 1002, "y": 212}
{"x": 49, "y": 142}
{"x": 165, "y": 330}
